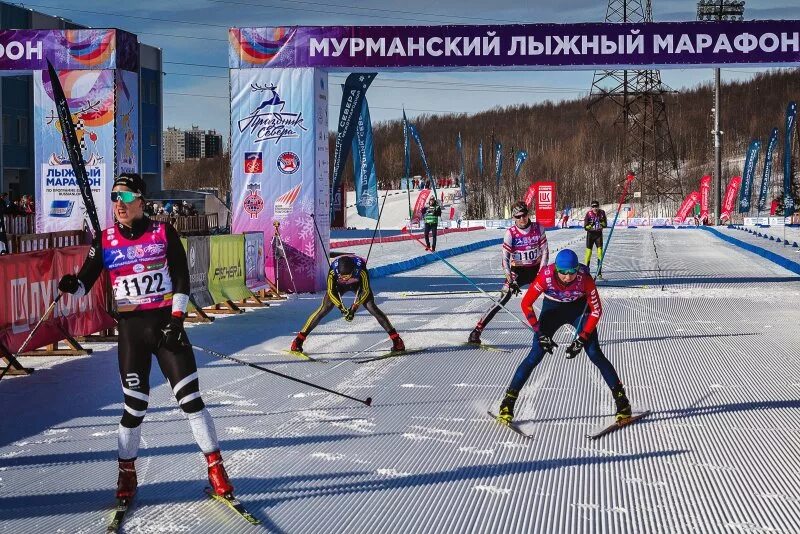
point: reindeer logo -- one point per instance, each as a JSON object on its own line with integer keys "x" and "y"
{"x": 274, "y": 100}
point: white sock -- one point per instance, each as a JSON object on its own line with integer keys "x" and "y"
{"x": 128, "y": 442}
{"x": 204, "y": 432}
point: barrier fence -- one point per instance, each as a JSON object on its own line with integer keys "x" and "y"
{"x": 192, "y": 224}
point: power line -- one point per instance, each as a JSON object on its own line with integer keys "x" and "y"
{"x": 196, "y": 64}
{"x": 126, "y": 16}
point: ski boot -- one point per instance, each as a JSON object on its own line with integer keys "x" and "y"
{"x": 217, "y": 476}
{"x": 126, "y": 482}
{"x": 623, "y": 404}
{"x": 506, "y": 414}
{"x": 475, "y": 337}
{"x": 397, "y": 342}
{"x": 297, "y": 344}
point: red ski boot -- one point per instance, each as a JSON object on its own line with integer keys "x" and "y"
{"x": 297, "y": 344}
{"x": 217, "y": 476}
{"x": 126, "y": 482}
{"x": 397, "y": 342}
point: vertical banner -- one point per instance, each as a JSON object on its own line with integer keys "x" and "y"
{"x": 279, "y": 150}
{"x": 480, "y": 159}
{"x": 90, "y": 95}
{"x": 767, "y": 176}
{"x": 522, "y": 155}
{"x": 127, "y": 122}
{"x": 705, "y": 190}
{"x": 415, "y": 135}
{"x": 530, "y": 195}
{"x": 353, "y": 93}
{"x": 498, "y": 161}
{"x": 226, "y": 273}
{"x": 422, "y": 199}
{"x": 198, "y": 257}
{"x": 406, "y": 149}
{"x": 750, "y": 162}
{"x": 366, "y": 181}
{"x": 729, "y": 200}
{"x": 462, "y": 177}
{"x": 788, "y": 199}
{"x": 254, "y": 276}
{"x": 546, "y": 203}
{"x": 687, "y": 205}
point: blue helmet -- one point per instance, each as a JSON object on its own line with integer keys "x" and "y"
{"x": 566, "y": 260}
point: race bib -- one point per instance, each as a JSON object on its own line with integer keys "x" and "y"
{"x": 525, "y": 257}
{"x": 143, "y": 288}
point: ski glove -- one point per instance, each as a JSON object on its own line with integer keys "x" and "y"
{"x": 575, "y": 347}
{"x": 547, "y": 344}
{"x": 69, "y": 283}
{"x": 349, "y": 315}
{"x": 513, "y": 286}
{"x": 174, "y": 337}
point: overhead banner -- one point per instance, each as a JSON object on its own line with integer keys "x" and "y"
{"x": 91, "y": 98}
{"x": 127, "y": 124}
{"x": 543, "y": 46}
{"x": 705, "y": 189}
{"x": 546, "y": 203}
{"x": 353, "y": 94}
{"x": 750, "y": 162}
{"x": 29, "y": 284}
{"x": 84, "y": 49}
{"x": 198, "y": 251}
{"x": 366, "y": 181}
{"x": 687, "y": 205}
{"x": 767, "y": 176}
{"x": 279, "y": 164}
{"x": 789, "y": 127}
{"x": 729, "y": 201}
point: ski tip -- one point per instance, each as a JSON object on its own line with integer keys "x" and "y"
{"x": 368, "y": 402}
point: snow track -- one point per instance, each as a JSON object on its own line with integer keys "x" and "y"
{"x": 702, "y": 333}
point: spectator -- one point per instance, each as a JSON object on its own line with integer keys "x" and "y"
{"x": 5, "y": 203}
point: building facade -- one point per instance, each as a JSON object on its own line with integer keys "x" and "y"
{"x": 16, "y": 109}
{"x": 174, "y": 145}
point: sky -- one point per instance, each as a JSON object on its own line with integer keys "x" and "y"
{"x": 193, "y": 37}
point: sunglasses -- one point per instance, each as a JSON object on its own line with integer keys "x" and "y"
{"x": 567, "y": 271}
{"x": 520, "y": 216}
{"x": 126, "y": 196}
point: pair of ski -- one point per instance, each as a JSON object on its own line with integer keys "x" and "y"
{"x": 390, "y": 354}
{"x": 123, "y": 505}
{"x": 597, "y": 434}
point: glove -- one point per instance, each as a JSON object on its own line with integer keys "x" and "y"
{"x": 174, "y": 337}
{"x": 575, "y": 347}
{"x": 349, "y": 315}
{"x": 547, "y": 344}
{"x": 69, "y": 283}
{"x": 513, "y": 286}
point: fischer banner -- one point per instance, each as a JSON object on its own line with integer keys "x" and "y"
{"x": 29, "y": 284}
{"x": 729, "y": 201}
{"x": 227, "y": 268}
{"x": 546, "y": 203}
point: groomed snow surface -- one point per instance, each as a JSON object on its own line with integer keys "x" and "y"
{"x": 702, "y": 333}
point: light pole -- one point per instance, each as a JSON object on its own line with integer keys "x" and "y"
{"x": 719, "y": 10}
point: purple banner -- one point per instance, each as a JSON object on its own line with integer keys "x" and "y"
{"x": 92, "y": 49}
{"x": 543, "y": 46}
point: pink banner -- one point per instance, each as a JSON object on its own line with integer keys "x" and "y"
{"x": 530, "y": 195}
{"x": 731, "y": 193}
{"x": 422, "y": 199}
{"x": 705, "y": 189}
{"x": 687, "y": 205}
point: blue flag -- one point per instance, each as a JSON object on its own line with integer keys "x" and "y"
{"x": 522, "y": 155}
{"x": 767, "y": 176}
{"x": 750, "y": 162}
{"x": 788, "y": 199}
{"x": 480, "y": 159}
{"x": 406, "y": 150}
{"x": 498, "y": 161}
{"x": 355, "y": 87}
{"x": 366, "y": 181}
{"x": 415, "y": 134}
{"x": 462, "y": 178}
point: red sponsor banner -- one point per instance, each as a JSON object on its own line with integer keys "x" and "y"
{"x": 773, "y": 207}
{"x": 420, "y": 205}
{"x": 687, "y": 205}
{"x": 29, "y": 284}
{"x": 731, "y": 193}
{"x": 530, "y": 195}
{"x": 545, "y": 203}
{"x": 705, "y": 190}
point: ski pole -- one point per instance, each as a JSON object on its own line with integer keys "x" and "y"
{"x": 622, "y": 198}
{"x": 22, "y": 347}
{"x": 376, "y": 226}
{"x": 368, "y": 400}
{"x": 465, "y": 277}
{"x": 327, "y": 258}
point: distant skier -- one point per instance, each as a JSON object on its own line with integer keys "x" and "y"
{"x": 431, "y": 215}
{"x": 348, "y": 273}
{"x": 151, "y": 290}
{"x": 594, "y": 222}
{"x": 524, "y": 251}
{"x": 566, "y": 286}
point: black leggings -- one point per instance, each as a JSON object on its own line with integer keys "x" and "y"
{"x": 525, "y": 276}
{"x": 327, "y": 306}
{"x": 594, "y": 238}
{"x": 431, "y": 228}
{"x": 139, "y": 338}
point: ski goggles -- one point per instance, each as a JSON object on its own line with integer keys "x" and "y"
{"x": 520, "y": 215}
{"x": 126, "y": 196}
{"x": 567, "y": 271}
